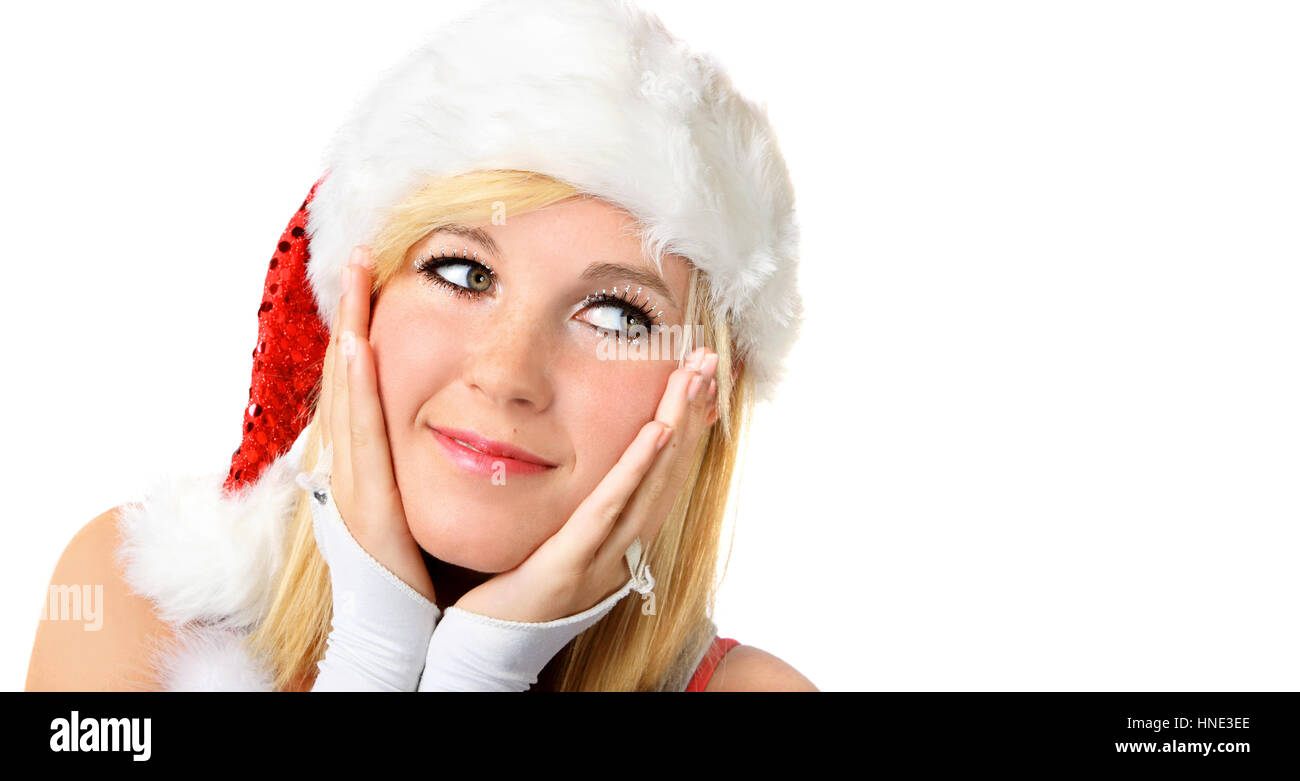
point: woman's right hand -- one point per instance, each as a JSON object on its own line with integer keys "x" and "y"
{"x": 361, "y": 481}
{"x": 383, "y": 610}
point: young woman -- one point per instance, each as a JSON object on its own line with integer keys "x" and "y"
{"x": 555, "y": 282}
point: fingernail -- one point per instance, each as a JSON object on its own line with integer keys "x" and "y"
{"x": 349, "y": 344}
{"x": 693, "y": 362}
{"x": 693, "y": 389}
{"x": 663, "y": 438}
{"x": 709, "y": 365}
{"x": 347, "y": 277}
{"x": 362, "y": 259}
{"x": 356, "y": 256}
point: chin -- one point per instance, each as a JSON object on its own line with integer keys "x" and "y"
{"x": 483, "y": 542}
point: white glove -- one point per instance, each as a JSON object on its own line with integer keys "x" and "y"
{"x": 470, "y": 652}
{"x": 381, "y": 626}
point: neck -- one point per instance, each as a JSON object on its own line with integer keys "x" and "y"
{"x": 451, "y": 582}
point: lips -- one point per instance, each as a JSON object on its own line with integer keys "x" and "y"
{"x": 480, "y": 455}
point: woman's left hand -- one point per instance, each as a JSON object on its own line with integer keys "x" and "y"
{"x": 583, "y": 563}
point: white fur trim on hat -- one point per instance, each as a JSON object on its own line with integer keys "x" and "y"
{"x": 598, "y": 94}
{"x": 201, "y": 555}
{"x": 210, "y": 659}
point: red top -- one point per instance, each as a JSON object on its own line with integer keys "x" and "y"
{"x": 712, "y": 658}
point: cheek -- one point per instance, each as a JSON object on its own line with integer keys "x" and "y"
{"x": 416, "y": 350}
{"x": 614, "y": 401}
{"x": 421, "y": 352}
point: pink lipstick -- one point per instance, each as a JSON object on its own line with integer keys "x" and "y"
{"x": 482, "y": 456}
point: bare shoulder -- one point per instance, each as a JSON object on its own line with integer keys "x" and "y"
{"x": 748, "y": 669}
{"x": 95, "y": 633}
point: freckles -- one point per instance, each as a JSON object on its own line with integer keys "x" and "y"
{"x": 613, "y": 400}
{"x": 622, "y": 389}
{"x": 414, "y": 346}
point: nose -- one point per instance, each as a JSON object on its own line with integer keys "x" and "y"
{"x": 508, "y": 364}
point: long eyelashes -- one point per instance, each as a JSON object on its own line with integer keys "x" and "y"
{"x": 427, "y": 269}
{"x": 642, "y": 310}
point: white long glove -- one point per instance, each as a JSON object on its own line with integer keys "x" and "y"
{"x": 385, "y": 632}
{"x": 470, "y": 652}
{"x": 381, "y": 626}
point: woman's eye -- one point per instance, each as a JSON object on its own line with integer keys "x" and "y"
{"x": 610, "y": 317}
{"x": 466, "y": 275}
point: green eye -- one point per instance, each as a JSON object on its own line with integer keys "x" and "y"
{"x": 457, "y": 275}
{"x": 478, "y": 279}
{"x": 470, "y": 275}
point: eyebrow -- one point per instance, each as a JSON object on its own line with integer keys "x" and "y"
{"x": 474, "y": 234}
{"x": 639, "y": 277}
{"x": 593, "y": 273}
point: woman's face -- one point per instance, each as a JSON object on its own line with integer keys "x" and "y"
{"x": 509, "y": 351}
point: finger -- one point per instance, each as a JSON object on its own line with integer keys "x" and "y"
{"x": 323, "y": 404}
{"x": 648, "y": 507}
{"x": 712, "y": 417}
{"x": 673, "y": 411}
{"x": 673, "y": 401}
{"x": 586, "y": 531}
{"x": 581, "y": 537}
{"x": 676, "y": 407}
{"x": 341, "y": 476}
{"x": 372, "y": 466}
{"x": 356, "y": 317}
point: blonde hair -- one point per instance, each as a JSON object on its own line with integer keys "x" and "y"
{"x": 626, "y": 650}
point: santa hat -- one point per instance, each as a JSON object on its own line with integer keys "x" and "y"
{"x": 595, "y": 93}
{"x": 599, "y": 95}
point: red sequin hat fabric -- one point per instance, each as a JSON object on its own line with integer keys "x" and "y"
{"x": 287, "y": 360}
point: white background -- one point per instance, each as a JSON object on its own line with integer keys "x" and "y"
{"x": 1042, "y": 428}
